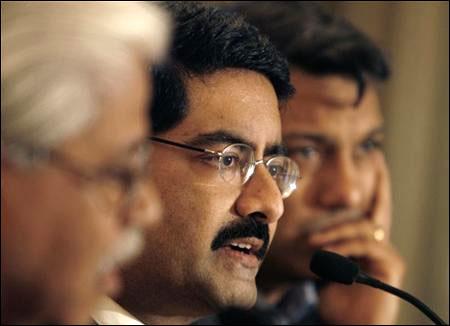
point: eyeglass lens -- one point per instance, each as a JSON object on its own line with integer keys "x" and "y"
{"x": 236, "y": 165}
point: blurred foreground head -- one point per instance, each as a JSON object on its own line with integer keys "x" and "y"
{"x": 74, "y": 93}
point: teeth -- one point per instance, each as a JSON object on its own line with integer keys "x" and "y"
{"x": 241, "y": 245}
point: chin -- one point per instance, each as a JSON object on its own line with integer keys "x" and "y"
{"x": 239, "y": 296}
{"x": 232, "y": 293}
{"x": 246, "y": 304}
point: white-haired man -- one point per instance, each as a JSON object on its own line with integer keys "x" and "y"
{"x": 73, "y": 138}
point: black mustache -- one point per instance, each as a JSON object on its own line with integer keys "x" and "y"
{"x": 248, "y": 227}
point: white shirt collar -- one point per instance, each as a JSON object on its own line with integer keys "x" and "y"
{"x": 109, "y": 312}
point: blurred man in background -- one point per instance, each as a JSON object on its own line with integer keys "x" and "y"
{"x": 219, "y": 167}
{"x": 333, "y": 129}
{"x": 74, "y": 190}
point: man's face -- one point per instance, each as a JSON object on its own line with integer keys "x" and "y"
{"x": 60, "y": 230}
{"x": 189, "y": 267}
{"x": 337, "y": 148}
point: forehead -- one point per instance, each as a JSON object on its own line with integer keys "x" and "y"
{"x": 242, "y": 102}
{"x": 326, "y": 105}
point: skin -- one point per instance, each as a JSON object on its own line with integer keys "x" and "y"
{"x": 56, "y": 227}
{"x": 343, "y": 196}
{"x": 189, "y": 280}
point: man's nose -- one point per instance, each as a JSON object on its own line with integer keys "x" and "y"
{"x": 260, "y": 195}
{"x": 145, "y": 207}
{"x": 340, "y": 187}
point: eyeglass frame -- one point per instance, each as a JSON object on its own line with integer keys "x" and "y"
{"x": 220, "y": 154}
{"x": 125, "y": 178}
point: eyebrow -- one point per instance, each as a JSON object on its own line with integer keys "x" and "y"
{"x": 319, "y": 138}
{"x": 227, "y": 137}
{"x": 277, "y": 149}
{"x": 218, "y": 137}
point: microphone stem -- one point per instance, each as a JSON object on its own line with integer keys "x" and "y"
{"x": 365, "y": 279}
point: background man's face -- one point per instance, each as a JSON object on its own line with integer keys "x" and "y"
{"x": 181, "y": 272}
{"x": 337, "y": 148}
{"x": 57, "y": 228}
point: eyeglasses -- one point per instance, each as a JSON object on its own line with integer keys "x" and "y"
{"x": 117, "y": 183}
{"x": 236, "y": 164}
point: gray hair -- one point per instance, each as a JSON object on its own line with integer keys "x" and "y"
{"x": 60, "y": 59}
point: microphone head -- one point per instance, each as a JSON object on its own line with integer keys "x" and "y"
{"x": 333, "y": 267}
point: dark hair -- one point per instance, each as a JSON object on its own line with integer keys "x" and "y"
{"x": 207, "y": 40}
{"x": 317, "y": 41}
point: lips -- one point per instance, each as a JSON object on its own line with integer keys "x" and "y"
{"x": 247, "y": 236}
{"x": 248, "y": 246}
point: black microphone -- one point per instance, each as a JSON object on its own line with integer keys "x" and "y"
{"x": 333, "y": 267}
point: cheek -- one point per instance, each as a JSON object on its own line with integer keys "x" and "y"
{"x": 84, "y": 236}
{"x": 295, "y": 210}
{"x": 84, "y": 229}
{"x": 57, "y": 240}
{"x": 193, "y": 212}
{"x": 294, "y": 202}
{"x": 194, "y": 191}
{"x": 367, "y": 176}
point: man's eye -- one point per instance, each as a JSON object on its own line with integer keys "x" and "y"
{"x": 275, "y": 170}
{"x": 230, "y": 160}
{"x": 371, "y": 144}
{"x": 306, "y": 152}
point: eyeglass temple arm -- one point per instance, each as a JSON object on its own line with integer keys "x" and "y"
{"x": 168, "y": 142}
